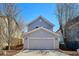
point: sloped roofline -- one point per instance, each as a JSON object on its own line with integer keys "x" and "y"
{"x": 41, "y": 17}
{"x": 27, "y": 33}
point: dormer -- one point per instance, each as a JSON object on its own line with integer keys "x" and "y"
{"x": 40, "y": 22}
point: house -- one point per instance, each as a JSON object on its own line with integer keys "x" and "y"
{"x": 73, "y": 33}
{"x": 40, "y": 35}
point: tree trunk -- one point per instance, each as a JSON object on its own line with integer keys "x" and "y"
{"x": 63, "y": 35}
{"x": 9, "y": 35}
{"x": 9, "y": 45}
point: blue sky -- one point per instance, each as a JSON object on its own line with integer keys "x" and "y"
{"x": 30, "y": 11}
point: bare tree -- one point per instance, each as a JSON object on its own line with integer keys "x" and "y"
{"x": 65, "y": 13}
{"x": 11, "y": 12}
{"x": 22, "y": 24}
{"x": 1, "y": 37}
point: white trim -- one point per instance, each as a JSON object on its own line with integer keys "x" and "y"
{"x": 42, "y": 29}
{"x": 41, "y": 38}
{"x": 28, "y": 42}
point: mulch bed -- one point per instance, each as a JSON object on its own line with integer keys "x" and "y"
{"x": 70, "y": 53}
{"x": 13, "y": 51}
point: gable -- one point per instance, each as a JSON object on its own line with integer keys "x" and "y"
{"x": 41, "y": 32}
{"x": 41, "y": 19}
{"x": 40, "y": 22}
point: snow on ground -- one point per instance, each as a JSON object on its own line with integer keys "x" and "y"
{"x": 40, "y": 53}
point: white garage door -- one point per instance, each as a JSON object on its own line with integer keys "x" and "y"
{"x": 41, "y": 44}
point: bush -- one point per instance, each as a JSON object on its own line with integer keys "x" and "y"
{"x": 74, "y": 45}
{"x": 16, "y": 42}
{"x": 70, "y": 45}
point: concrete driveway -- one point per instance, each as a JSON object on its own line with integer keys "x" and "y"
{"x": 40, "y": 53}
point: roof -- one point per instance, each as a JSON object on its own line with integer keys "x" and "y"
{"x": 42, "y": 18}
{"x": 27, "y": 33}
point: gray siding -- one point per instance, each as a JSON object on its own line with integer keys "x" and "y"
{"x": 42, "y": 34}
{"x": 39, "y": 23}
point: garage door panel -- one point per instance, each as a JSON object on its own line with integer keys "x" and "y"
{"x": 41, "y": 44}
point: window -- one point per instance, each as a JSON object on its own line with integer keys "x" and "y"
{"x": 36, "y": 27}
{"x": 40, "y": 20}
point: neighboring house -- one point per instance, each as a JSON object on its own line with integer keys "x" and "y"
{"x": 73, "y": 33}
{"x": 16, "y": 33}
{"x": 40, "y": 35}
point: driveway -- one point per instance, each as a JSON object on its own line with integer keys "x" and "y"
{"x": 40, "y": 53}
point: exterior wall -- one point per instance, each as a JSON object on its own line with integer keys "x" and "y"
{"x": 39, "y": 23}
{"x": 43, "y": 38}
{"x": 56, "y": 43}
{"x": 41, "y": 34}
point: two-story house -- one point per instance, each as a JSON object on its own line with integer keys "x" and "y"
{"x": 40, "y": 35}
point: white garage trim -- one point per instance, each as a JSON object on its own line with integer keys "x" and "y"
{"x": 42, "y": 29}
{"x": 31, "y": 38}
{"x": 28, "y": 43}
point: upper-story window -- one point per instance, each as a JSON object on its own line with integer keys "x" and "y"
{"x": 40, "y": 20}
{"x": 36, "y": 27}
